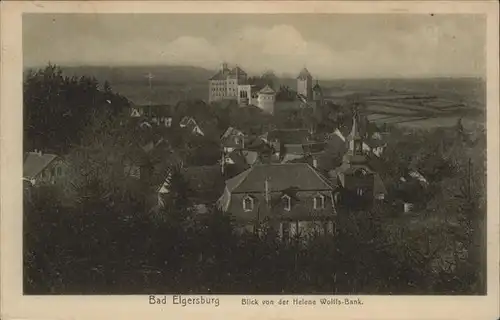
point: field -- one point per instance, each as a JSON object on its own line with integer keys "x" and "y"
{"x": 409, "y": 102}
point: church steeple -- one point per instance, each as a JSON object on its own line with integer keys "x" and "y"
{"x": 355, "y": 152}
{"x": 354, "y": 138}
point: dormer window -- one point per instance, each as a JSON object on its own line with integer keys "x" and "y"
{"x": 248, "y": 203}
{"x": 287, "y": 202}
{"x": 358, "y": 147}
{"x": 360, "y": 172}
{"x": 319, "y": 202}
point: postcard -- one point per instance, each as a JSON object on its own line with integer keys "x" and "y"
{"x": 250, "y": 159}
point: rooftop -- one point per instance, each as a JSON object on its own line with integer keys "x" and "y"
{"x": 267, "y": 90}
{"x": 35, "y": 162}
{"x": 280, "y": 177}
{"x": 237, "y": 71}
{"x": 304, "y": 74}
{"x": 289, "y": 136}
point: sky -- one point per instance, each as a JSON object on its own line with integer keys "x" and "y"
{"x": 330, "y": 45}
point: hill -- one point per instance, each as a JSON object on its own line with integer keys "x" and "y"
{"x": 171, "y": 84}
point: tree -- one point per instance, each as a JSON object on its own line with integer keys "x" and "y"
{"x": 57, "y": 107}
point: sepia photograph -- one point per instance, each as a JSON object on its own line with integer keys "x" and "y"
{"x": 317, "y": 156}
{"x": 254, "y": 154}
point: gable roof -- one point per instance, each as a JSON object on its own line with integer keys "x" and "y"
{"x": 314, "y": 147}
{"x": 231, "y": 132}
{"x": 289, "y": 157}
{"x": 237, "y": 70}
{"x": 219, "y": 76}
{"x": 304, "y": 74}
{"x": 35, "y": 162}
{"x": 251, "y": 157}
{"x": 280, "y": 176}
{"x": 267, "y": 90}
{"x": 188, "y": 120}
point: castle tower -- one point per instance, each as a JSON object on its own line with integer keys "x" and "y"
{"x": 304, "y": 84}
{"x": 318, "y": 98}
{"x": 224, "y": 68}
{"x": 317, "y": 92}
{"x": 266, "y": 99}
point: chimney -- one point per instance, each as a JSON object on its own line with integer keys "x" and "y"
{"x": 267, "y": 190}
{"x": 223, "y": 162}
{"x": 315, "y": 163}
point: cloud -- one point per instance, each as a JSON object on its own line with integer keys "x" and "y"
{"x": 280, "y": 48}
{"x": 191, "y": 50}
{"x": 426, "y": 50}
{"x": 366, "y": 48}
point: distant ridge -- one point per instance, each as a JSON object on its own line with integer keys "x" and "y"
{"x": 173, "y": 83}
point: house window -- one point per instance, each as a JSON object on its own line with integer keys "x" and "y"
{"x": 329, "y": 227}
{"x": 248, "y": 203}
{"x": 294, "y": 229}
{"x": 59, "y": 171}
{"x": 168, "y": 122}
{"x": 319, "y": 202}
{"x": 360, "y": 192}
{"x": 317, "y": 227}
{"x": 287, "y": 202}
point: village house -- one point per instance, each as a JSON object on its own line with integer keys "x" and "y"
{"x": 191, "y": 125}
{"x": 232, "y": 139}
{"x": 160, "y": 115}
{"x": 238, "y": 161}
{"x": 306, "y": 152}
{"x": 43, "y": 168}
{"x": 410, "y": 190}
{"x": 279, "y": 138}
{"x": 293, "y": 199}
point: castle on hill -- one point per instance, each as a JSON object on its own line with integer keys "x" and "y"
{"x": 233, "y": 84}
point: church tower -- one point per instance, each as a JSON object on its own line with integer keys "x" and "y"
{"x": 355, "y": 153}
{"x": 304, "y": 84}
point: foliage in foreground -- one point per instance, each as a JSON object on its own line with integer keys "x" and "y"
{"x": 98, "y": 247}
